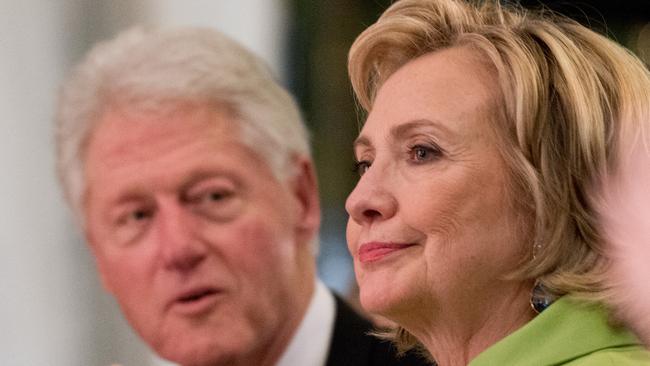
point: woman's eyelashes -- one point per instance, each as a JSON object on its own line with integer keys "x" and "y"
{"x": 419, "y": 153}
{"x": 361, "y": 166}
{"x": 423, "y": 153}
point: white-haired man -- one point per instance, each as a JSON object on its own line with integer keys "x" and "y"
{"x": 189, "y": 170}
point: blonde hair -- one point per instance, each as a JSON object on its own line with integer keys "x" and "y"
{"x": 568, "y": 95}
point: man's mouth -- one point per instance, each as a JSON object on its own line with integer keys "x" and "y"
{"x": 196, "y": 301}
{"x": 196, "y": 295}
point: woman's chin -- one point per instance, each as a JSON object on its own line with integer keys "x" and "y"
{"x": 387, "y": 292}
{"x": 380, "y": 300}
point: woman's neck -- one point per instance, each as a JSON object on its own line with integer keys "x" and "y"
{"x": 456, "y": 335}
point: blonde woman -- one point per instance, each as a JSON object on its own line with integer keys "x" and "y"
{"x": 474, "y": 225}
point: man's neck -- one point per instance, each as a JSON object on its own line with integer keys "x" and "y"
{"x": 310, "y": 344}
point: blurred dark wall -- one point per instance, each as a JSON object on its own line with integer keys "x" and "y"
{"x": 320, "y": 38}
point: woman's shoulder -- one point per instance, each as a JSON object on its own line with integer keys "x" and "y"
{"x": 570, "y": 332}
{"x": 634, "y": 355}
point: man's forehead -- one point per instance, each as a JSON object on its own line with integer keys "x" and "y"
{"x": 120, "y": 130}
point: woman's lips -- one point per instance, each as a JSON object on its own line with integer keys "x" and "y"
{"x": 374, "y": 251}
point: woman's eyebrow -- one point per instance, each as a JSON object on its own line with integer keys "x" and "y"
{"x": 403, "y": 129}
{"x": 361, "y": 141}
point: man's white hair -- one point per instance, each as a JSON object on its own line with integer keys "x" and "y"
{"x": 156, "y": 69}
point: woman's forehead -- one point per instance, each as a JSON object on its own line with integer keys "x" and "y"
{"x": 445, "y": 89}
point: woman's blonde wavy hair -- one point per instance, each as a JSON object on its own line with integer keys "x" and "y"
{"x": 568, "y": 96}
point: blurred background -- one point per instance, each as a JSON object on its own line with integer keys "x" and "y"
{"x": 52, "y": 309}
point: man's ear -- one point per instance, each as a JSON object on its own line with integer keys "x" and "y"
{"x": 305, "y": 188}
{"x": 99, "y": 264}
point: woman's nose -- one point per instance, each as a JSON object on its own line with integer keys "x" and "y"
{"x": 371, "y": 200}
{"x": 181, "y": 249}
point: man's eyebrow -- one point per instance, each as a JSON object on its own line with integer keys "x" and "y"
{"x": 199, "y": 175}
{"x": 127, "y": 196}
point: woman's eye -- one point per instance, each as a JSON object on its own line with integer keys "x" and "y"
{"x": 360, "y": 167}
{"x": 423, "y": 153}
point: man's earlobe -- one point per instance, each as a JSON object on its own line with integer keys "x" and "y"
{"x": 102, "y": 276}
{"x": 99, "y": 266}
{"x": 305, "y": 188}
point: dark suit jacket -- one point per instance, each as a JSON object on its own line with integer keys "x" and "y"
{"x": 352, "y": 346}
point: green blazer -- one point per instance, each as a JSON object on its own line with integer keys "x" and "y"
{"x": 569, "y": 333}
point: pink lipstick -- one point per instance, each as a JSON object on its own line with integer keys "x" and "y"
{"x": 374, "y": 251}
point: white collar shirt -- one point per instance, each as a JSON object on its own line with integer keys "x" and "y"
{"x": 310, "y": 344}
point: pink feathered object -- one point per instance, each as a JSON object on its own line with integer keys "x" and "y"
{"x": 626, "y": 219}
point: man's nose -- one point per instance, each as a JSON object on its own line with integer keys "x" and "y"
{"x": 181, "y": 248}
{"x": 372, "y": 198}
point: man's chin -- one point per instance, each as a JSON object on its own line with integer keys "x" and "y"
{"x": 198, "y": 356}
{"x": 213, "y": 349}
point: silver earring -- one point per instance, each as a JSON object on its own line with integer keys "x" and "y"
{"x": 540, "y": 297}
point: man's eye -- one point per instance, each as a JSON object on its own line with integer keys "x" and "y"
{"x": 218, "y": 204}
{"x": 360, "y": 167}
{"x": 139, "y": 215}
{"x": 135, "y": 216}
{"x": 216, "y": 196}
{"x": 130, "y": 224}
